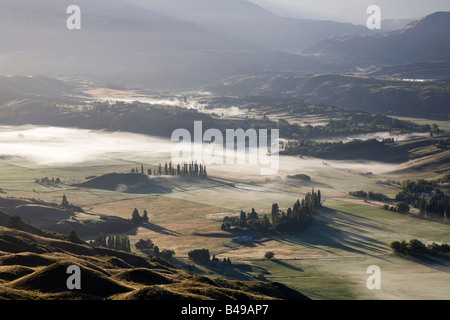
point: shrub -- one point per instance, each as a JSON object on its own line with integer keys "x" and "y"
{"x": 416, "y": 247}
{"x": 269, "y": 255}
{"x": 260, "y": 277}
{"x": 376, "y": 196}
{"x": 167, "y": 254}
{"x": 16, "y": 222}
{"x": 300, "y": 176}
{"x": 358, "y": 194}
{"x": 201, "y": 256}
{"x": 399, "y": 247}
{"x": 73, "y": 237}
{"x": 144, "y": 244}
{"x": 402, "y": 207}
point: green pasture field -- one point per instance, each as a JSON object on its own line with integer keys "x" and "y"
{"x": 327, "y": 260}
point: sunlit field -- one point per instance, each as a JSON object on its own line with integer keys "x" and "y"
{"x": 327, "y": 260}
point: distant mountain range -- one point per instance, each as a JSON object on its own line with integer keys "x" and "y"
{"x": 171, "y": 44}
{"x": 250, "y": 23}
{"x": 424, "y": 40}
{"x": 179, "y": 45}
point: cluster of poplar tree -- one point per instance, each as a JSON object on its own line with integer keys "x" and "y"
{"x": 293, "y": 219}
{"x": 191, "y": 170}
{"x": 299, "y": 215}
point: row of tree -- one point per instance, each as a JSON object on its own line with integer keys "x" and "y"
{"x": 245, "y": 220}
{"x": 46, "y": 180}
{"x": 191, "y": 170}
{"x": 122, "y": 242}
{"x": 297, "y": 217}
{"x": 417, "y": 248}
{"x": 346, "y": 127}
{"x": 369, "y": 195}
{"x": 293, "y": 219}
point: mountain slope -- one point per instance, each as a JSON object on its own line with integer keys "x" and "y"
{"x": 423, "y": 40}
{"x": 249, "y": 22}
{"x": 160, "y": 44}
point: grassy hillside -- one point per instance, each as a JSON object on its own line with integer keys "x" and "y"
{"x": 38, "y": 271}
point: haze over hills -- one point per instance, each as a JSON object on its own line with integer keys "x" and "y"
{"x": 179, "y": 45}
{"x": 386, "y": 96}
{"x": 423, "y": 40}
{"x": 250, "y": 23}
{"x": 165, "y": 45}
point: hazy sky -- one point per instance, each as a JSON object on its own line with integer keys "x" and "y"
{"x": 353, "y": 10}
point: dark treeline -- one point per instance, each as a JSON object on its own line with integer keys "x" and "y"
{"x": 346, "y": 126}
{"x": 369, "y": 195}
{"x": 314, "y": 148}
{"x": 189, "y": 170}
{"x": 46, "y": 180}
{"x": 293, "y": 219}
{"x": 417, "y": 248}
{"x": 355, "y": 122}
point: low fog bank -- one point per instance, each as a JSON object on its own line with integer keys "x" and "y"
{"x": 60, "y": 146}
{"x": 173, "y": 101}
{"x": 64, "y": 146}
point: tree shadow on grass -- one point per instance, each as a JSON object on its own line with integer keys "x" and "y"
{"x": 187, "y": 266}
{"x": 439, "y": 264}
{"x": 149, "y": 190}
{"x": 349, "y": 218}
{"x": 153, "y": 227}
{"x": 327, "y": 233}
{"x": 287, "y": 265}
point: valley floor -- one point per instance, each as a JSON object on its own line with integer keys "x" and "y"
{"x": 327, "y": 260}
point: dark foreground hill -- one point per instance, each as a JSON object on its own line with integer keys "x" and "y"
{"x": 38, "y": 270}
